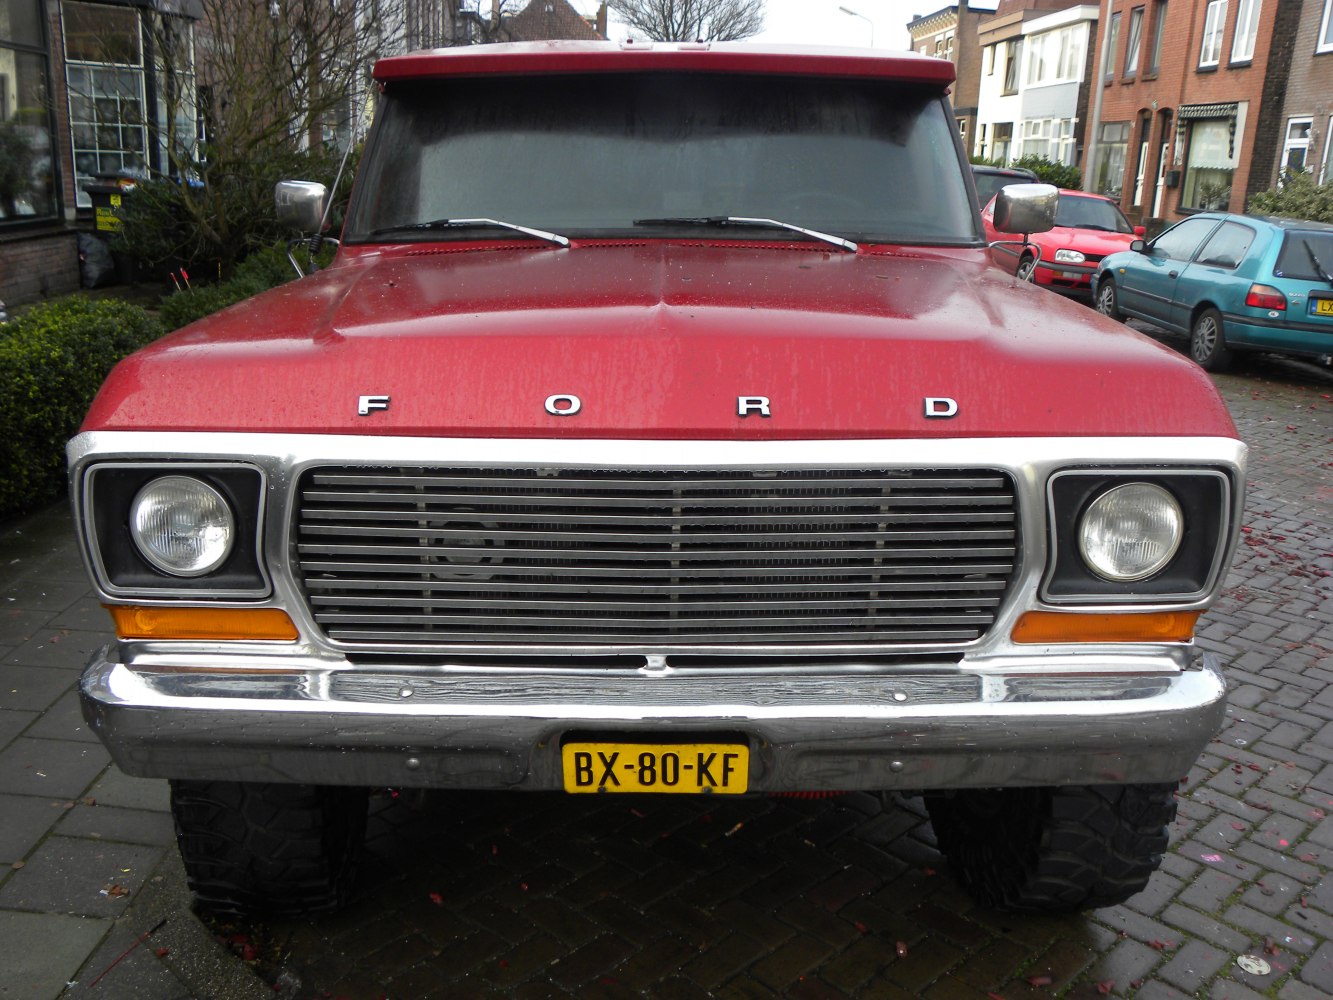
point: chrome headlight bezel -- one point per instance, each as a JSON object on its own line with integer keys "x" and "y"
{"x": 106, "y": 495}
{"x": 1204, "y": 497}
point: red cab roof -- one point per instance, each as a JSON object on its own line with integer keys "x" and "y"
{"x": 609, "y": 57}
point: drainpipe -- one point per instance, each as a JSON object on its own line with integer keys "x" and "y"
{"x": 1098, "y": 86}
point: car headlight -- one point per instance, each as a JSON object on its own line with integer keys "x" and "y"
{"x": 182, "y": 526}
{"x": 1131, "y": 532}
{"x": 1069, "y": 257}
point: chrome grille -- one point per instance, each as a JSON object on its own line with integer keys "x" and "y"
{"x": 437, "y": 556}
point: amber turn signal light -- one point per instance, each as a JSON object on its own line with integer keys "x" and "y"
{"x": 134, "y": 622}
{"x": 1062, "y": 626}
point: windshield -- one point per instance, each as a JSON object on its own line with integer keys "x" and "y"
{"x": 1091, "y": 213}
{"x": 585, "y": 155}
{"x": 1295, "y": 261}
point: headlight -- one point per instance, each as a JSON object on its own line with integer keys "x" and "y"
{"x": 182, "y": 526}
{"x": 1069, "y": 257}
{"x": 1131, "y": 532}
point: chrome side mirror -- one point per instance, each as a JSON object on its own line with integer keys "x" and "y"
{"x": 1026, "y": 208}
{"x": 300, "y": 204}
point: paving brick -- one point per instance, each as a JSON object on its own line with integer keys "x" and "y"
{"x": 1194, "y": 964}
{"x": 50, "y": 767}
{"x": 44, "y": 951}
{"x": 68, "y": 875}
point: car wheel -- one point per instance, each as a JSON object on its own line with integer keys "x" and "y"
{"x": 1208, "y": 342}
{"x": 268, "y": 848}
{"x": 1108, "y": 300}
{"x": 1055, "y": 849}
{"x": 1027, "y": 268}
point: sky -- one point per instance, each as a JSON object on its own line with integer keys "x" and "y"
{"x": 820, "y": 22}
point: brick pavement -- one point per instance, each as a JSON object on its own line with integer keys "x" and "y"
{"x": 494, "y": 895}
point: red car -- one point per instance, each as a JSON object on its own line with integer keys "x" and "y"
{"x": 1087, "y": 228}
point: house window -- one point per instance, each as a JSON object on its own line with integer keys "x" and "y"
{"x": 1210, "y": 165}
{"x": 1112, "y": 42}
{"x": 1004, "y": 141}
{"x": 27, "y": 163}
{"x": 1325, "y": 168}
{"x": 1012, "y": 58}
{"x": 990, "y": 60}
{"x": 1051, "y": 138}
{"x": 1109, "y": 172}
{"x": 981, "y": 140}
{"x": 962, "y": 130}
{"x": 1247, "y": 29}
{"x": 1296, "y": 149}
{"x": 1210, "y": 52}
{"x": 1132, "y": 43}
{"x": 1325, "y": 41}
{"x": 1155, "y": 52}
{"x": 104, "y": 67}
{"x": 1055, "y": 56}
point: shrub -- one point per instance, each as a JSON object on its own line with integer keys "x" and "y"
{"x": 1299, "y": 197}
{"x": 259, "y": 272}
{"x": 1050, "y": 172}
{"x": 52, "y": 362}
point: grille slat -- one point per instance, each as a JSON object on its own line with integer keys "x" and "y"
{"x": 654, "y": 558}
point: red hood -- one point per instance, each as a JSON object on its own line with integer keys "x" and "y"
{"x": 1088, "y": 241}
{"x": 658, "y": 340}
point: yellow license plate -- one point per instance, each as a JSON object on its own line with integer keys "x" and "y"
{"x": 1321, "y": 307}
{"x": 677, "y": 768}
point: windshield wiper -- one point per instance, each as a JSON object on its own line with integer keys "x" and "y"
{"x": 735, "y": 220}
{"x": 414, "y": 227}
{"x": 1319, "y": 268}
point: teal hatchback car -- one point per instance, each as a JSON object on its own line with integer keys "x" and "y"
{"x": 1232, "y": 282}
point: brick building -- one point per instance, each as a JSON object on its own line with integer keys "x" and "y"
{"x": 1190, "y": 103}
{"x": 951, "y": 33}
{"x": 1305, "y": 129}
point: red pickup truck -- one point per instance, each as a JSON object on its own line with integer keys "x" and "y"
{"x": 661, "y": 427}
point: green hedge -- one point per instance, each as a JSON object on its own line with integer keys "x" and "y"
{"x": 52, "y": 362}
{"x": 259, "y": 272}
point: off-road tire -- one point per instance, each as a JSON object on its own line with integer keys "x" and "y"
{"x": 271, "y": 849}
{"x": 1042, "y": 850}
{"x": 1107, "y": 300}
{"x": 1208, "y": 342}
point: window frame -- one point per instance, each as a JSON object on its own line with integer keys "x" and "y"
{"x": 1112, "y": 40}
{"x": 38, "y": 50}
{"x": 1288, "y": 145}
{"x": 1158, "y": 30}
{"x": 1324, "y": 40}
{"x": 1134, "y": 42}
{"x": 1248, "y": 13}
{"x": 1214, "y": 28}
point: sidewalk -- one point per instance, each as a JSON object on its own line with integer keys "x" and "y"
{"x": 88, "y": 859}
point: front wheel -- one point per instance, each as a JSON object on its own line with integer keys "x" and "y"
{"x": 275, "y": 849}
{"x": 1027, "y": 268}
{"x": 1053, "y": 849}
{"x": 1208, "y": 342}
{"x": 1108, "y": 300}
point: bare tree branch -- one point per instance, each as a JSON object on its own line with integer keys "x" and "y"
{"x": 692, "y": 20}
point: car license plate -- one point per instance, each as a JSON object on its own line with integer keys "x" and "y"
{"x": 1072, "y": 275}
{"x": 679, "y": 768}
{"x": 1321, "y": 307}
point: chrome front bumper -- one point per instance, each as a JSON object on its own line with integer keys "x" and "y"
{"x": 1121, "y": 718}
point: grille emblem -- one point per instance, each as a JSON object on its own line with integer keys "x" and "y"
{"x": 563, "y": 404}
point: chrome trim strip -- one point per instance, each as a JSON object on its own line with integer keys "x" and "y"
{"x": 1030, "y": 461}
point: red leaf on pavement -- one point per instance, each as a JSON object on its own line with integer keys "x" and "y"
{"x": 1270, "y": 947}
{"x": 861, "y": 927}
{"x": 901, "y": 948}
{"x": 162, "y": 952}
{"x": 1160, "y": 945}
{"x": 1238, "y": 826}
{"x": 994, "y": 996}
{"x": 1039, "y": 980}
{"x": 436, "y": 898}
{"x": 1106, "y": 987}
